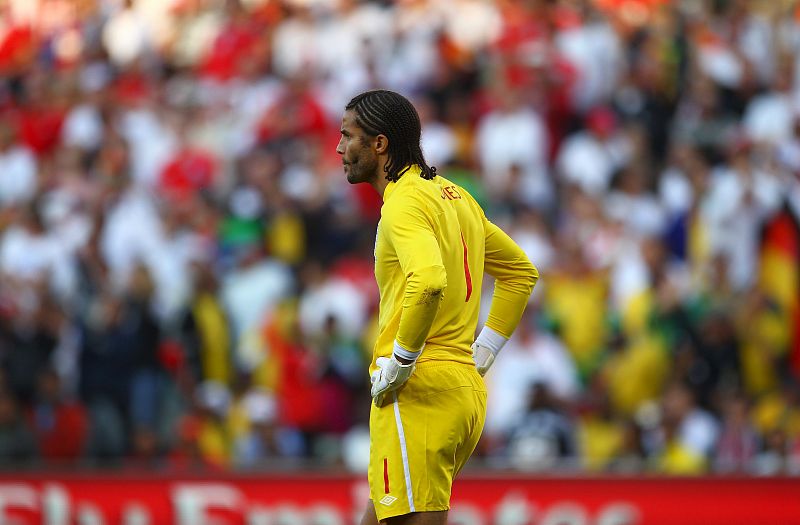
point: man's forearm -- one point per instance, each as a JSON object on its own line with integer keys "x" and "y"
{"x": 423, "y": 296}
{"x": 511, "y": 295}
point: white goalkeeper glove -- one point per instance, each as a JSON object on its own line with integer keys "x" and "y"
{"x": 391, "y": 374}
{"x": 483, "y": 357}
{"x": 485, "y": 349}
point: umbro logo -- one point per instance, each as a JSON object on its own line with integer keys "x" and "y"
{"x": 387, "y": 500}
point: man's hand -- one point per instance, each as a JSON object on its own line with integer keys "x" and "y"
{"x": 390, "y": 375}
{"x": 483, "y": 357}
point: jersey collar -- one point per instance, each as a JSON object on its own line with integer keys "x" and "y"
{"x": 412, "y": 172}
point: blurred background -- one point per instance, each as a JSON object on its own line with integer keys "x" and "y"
{"x": 186, "y": 278}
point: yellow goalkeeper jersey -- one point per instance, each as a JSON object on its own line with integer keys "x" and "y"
{"x": 432, "y": 247}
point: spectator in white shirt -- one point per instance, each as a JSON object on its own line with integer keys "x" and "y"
{"x": 589, "y": 158}
{"x": 17, "y": 169}
{"x": 249, "y": 294}
{"x": 770, "y": 116}
{"x": 127, "y": 35}
{"x": 30, "y": 254}
{"x": 632, "y": 204}
{"x": 438, "y": 140}
{"x": 514, "y": 134}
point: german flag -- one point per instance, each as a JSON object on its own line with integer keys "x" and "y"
{"x": 779, "y": 276}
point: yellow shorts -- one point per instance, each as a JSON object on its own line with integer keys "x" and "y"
{"x": 422, "y": 436}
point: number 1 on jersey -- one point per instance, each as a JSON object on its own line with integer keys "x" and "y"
{"x": 467, "y": 276}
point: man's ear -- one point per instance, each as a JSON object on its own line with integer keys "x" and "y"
{"x": 381, "y": 144}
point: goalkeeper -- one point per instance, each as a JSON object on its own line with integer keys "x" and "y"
{"x": 432, "y": 247}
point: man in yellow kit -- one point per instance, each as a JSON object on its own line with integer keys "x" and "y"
{"x": 432, "y": 247}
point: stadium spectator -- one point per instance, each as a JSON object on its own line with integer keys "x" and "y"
{"x": 17, "y": 442}
{"x": 59, "y": 423}
{"x": 544, "y": 436}
{"x": 684, "y": 441}
{"x": 738, "y": 440}
{"x": 17, "y": 169}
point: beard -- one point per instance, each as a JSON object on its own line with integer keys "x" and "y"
{"x": 361, "y": 169}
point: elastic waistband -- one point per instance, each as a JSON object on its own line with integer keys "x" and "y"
{"x": 426, "y": 365}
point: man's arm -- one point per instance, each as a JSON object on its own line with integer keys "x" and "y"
{"x": 408, "y": 230}
{"x": 515, "y": 276}
{"x": 414, "y": 242}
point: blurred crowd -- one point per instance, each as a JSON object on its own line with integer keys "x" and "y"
{"x": 186, "y": 278}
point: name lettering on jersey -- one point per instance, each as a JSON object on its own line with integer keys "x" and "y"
{"x": 450, "y": 193}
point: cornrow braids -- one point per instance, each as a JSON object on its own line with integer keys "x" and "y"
{"x": 383, "y": 112}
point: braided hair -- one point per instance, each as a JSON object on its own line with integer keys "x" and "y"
{"x": 383, "y": 112}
